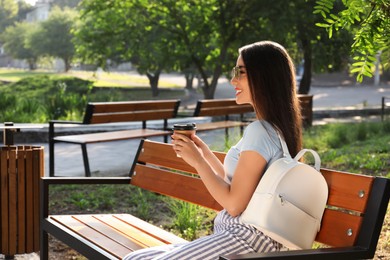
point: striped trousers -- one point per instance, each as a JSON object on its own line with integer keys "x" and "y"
{"x": 230, "y": 236}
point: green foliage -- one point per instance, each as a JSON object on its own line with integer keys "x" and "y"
{"x": 54, "y": 38}
{"x": 41, "y": 98}
{"x": 370, "y": 23}
{"x": 187, "y": 219}
{"x": 363, "y": 147}
{"x": 16, "y": 42}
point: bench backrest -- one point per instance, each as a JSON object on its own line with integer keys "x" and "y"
{"x": 220, "y": 107}
{"x": 158, "y": 169}
{"x": 353, "y": 217}
{"x": 110, "y": 112}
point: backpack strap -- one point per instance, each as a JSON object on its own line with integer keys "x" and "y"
{"x": 286, "y": 153}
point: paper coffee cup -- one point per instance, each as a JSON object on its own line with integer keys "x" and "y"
{"x": 184, "y": 129}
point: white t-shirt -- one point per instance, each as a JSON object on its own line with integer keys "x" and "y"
{"x": 259, "y": 136}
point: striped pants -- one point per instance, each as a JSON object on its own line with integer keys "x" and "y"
{"x": 230, "y": 236}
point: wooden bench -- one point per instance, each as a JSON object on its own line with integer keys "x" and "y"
{"x": 114, "y": 112}
{"x": 351, "y": 224}
{"x": 225, "y": 108}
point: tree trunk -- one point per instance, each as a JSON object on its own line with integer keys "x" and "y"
{"x": 189, "y": 80}
{"x": 304, "y": 86}
{"x": 153, "y": 81}
{"x": 67, "y": 64}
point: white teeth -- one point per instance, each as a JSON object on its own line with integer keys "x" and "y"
{"x": 238, "y": 91}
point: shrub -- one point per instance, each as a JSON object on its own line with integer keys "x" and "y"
{"x": 41, "y": 98}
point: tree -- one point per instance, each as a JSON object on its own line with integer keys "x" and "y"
{"x": 207, "y": 31}
{"x": 369, "y": 21}
{"x": 8, "y": 12}
{"x": 16, "y": 42}
{"x": 293, "y": 25}
{"x": 54, "y": 37}
{"x": 115, "y": 31}
{"x": 166, "y": 35}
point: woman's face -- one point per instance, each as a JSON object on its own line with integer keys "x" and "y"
{"x": 240, "y": 82}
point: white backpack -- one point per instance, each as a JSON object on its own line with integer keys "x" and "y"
{"x": 289, "y": 201}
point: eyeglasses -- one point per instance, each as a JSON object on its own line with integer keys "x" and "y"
{"x": 236, "y": 72}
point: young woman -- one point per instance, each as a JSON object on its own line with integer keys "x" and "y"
{"x": 264, "y": 76}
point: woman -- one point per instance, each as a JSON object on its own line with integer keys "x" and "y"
{"x": 264, "y": 76}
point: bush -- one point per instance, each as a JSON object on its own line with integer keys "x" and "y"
{"x": 41, "y": 98}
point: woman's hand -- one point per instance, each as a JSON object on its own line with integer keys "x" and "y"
{"x": 191, "y": 151}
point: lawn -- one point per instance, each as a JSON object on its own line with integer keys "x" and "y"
{"x": 100, "y": 79}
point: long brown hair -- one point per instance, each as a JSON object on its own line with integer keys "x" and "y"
{"x": 271, "y": 77}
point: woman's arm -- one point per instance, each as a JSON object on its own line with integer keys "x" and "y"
{"x": 233, "y": 197}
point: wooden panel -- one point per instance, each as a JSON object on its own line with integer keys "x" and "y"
{"x": 4, "y": 200}
{"x": 29, "y": 201}
{"x": 109, "y": 107}
{"x": 132, "y": 116}
{"x": 219, "y": 125}
{"x": 111, "y": 136}
{"x": 346, "y": 189}
{"x": 141, "y": 238}
{"x": 93, "y": 236}
{"x": 121, "y": 234}
{"x": 21, "y": 200}
{"x": 339, "y": 229}
{"x": 162, "y": 154}
{"x": 184, "y": 187}
{"x": 150, "y": 229}
{"x": 12, "y": 197}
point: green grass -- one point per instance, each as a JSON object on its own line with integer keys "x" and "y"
{"x": 101, "y": 79}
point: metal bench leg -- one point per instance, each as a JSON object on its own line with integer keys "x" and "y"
{"x": 44, "y": 246}
{"x": 51, "y": 158}
{"x": 85, "y": 159}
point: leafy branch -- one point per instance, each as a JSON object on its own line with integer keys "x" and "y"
{"x": 369, "y": 21}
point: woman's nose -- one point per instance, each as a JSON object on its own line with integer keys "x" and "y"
{"x": 233, "y": 80}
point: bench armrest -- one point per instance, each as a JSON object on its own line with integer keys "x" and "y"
{"x": 318, "y": 254}
{"x": 84, "y": 180}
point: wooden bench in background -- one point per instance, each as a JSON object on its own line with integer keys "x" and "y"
{"x": 351, "y": 224}
{"x": 114, "y": 112}
{"x": 222, "y": 112}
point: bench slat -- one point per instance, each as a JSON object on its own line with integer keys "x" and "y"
{"x": 93, "y": 236}
{"x": 131, "y": 116}
{"x": 106, "y": 107}
{"x": 335, "y": 227}
{"x": 119, "y": 232}
{"x": 111, "y": 136}
{"x": 346, "y": 189}
{"x": 163, "y": 155}
{"x": 219, "y": 124}
{"x": 150, "y": 229}
{"x": 223, "y": 110}
{"x": 180, "y": 186}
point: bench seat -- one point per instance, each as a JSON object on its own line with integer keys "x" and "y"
{"x": 110, "y": 136}
{"x": 119, "y": 234}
